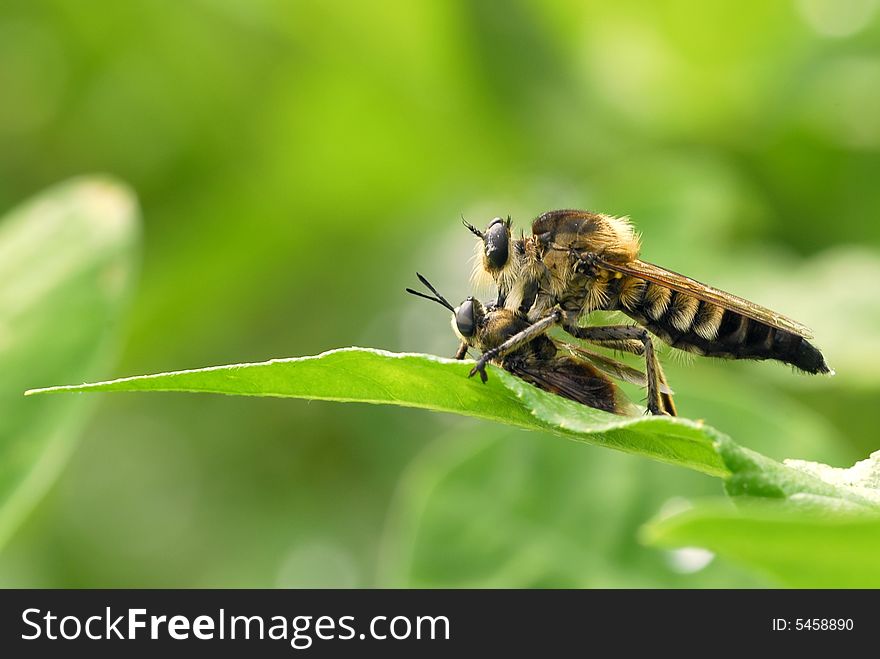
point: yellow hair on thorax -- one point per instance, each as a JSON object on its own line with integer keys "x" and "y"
{"x": 618, "y": 238}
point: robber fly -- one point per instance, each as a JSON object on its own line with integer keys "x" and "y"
{"x": 576, "y": 262}
{"x": 560, "y": 368}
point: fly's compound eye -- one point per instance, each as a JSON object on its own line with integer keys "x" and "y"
{"x": 497, "y": 241}
{"x": 465, "y": 320}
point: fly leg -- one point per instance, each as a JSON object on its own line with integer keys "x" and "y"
{"x": 665, "y": 398}
{"x": 520, "y": 338}
{"x": 635, "y": 340}
{"x": 586, "y": 263}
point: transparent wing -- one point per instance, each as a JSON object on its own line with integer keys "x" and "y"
{"x": 612, "y": 367}
{"x": 570, "y": 378}
{"x": 701, "y": 291}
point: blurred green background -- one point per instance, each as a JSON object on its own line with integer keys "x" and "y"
{"x": 296, "y": 162}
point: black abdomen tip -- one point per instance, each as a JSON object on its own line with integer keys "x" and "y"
{"x": 808, "y": 358}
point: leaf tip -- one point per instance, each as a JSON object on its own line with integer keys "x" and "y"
{"x": 44, "y": 390}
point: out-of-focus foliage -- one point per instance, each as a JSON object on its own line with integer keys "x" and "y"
{"x": 811, "y": 550}
{"x": 804, "y": 524}
{"x": 67, "y": 262}
{"x": 297, "y": 161}
{"x": 517, "y": 511}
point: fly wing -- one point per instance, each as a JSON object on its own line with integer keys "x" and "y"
{"x": 614, "y": 368}
{"x": 570, "y": 378}
{"x": 701, "y": 291}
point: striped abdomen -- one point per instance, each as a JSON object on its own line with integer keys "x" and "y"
{"x": 702, "y": 328}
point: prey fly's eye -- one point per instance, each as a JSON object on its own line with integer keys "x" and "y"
{"x": 497, "y": 239}
{"x": 465, "y": 320}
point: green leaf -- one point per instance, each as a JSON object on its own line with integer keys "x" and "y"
{"x": 808, "y": 485}
{"x": 413, "y": 380}
{"x": 66, "y": 268}
{"x": 797, "y": 549}
{"x": 803, "y": 523}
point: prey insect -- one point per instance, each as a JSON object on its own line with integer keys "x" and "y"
{"x": 560, "y": 368}
{"x": 576, "y": 262}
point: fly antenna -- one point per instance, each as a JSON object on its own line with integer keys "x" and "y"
{"x": 474, "y": 230}
{"x": 439, "y": 299}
